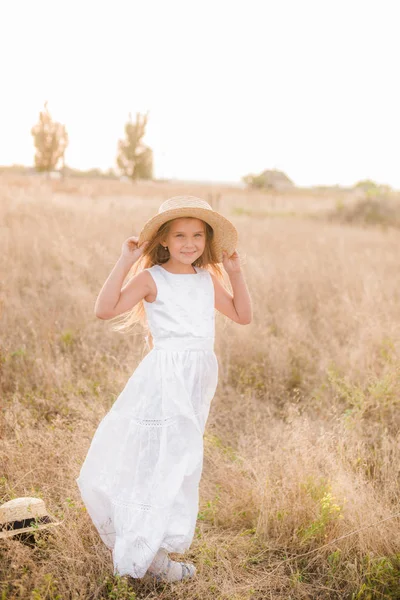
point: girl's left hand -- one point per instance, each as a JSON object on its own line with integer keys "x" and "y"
{"x": 231, "y": 263}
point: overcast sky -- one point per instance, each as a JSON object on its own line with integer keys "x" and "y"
{"x": 232, "y": 87}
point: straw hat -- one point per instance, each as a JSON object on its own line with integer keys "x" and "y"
{"x": 22, "y": 515}
{"x": 225, "y": 234}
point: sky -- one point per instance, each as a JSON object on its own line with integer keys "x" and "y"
{"x": 231, "y": 87}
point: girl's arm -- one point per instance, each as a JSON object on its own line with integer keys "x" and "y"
{"x": 237, "y": 307}
{"x": 113, "y": 301}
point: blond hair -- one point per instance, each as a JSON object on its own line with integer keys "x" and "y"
{"x": 156, "y": 254}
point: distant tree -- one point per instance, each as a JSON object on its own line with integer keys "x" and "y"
{"x": 269, "y": 180}
{"x": 50, "y": 139}
{"x": 135, "y": 159}
{"x": 371, "y": 188}
{"x": 254, "y": 181}
{"x": 367, "y": 184}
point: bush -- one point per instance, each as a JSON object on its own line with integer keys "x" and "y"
{"x": 378, "y": 210}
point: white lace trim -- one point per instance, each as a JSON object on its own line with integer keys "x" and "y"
{"x": 154, "y": 422}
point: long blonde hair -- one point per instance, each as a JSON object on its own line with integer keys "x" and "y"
{"x": 155, "y": 254}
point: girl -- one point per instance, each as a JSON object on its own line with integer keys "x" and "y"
{"x": 140, "y": 479}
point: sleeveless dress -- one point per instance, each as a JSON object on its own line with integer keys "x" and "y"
{"x": 140, "y": 478}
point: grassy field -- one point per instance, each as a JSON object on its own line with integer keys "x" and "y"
{"x": 299, "y": 497}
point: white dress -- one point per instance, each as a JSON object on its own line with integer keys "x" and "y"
{"x": 140, "y": 478}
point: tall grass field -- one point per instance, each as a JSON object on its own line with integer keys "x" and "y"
{"x": 299, "y": 497}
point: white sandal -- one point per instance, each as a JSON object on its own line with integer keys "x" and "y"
{"x": 165, "y": 572}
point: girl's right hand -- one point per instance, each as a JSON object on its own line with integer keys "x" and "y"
{"x": 131, "y": 250}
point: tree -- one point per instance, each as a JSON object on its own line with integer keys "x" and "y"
{"x": 135, "y": 159}
{"x": 50, "y": 140}
{"x": 268, "y": 180}
{"x": 371, "y": 188}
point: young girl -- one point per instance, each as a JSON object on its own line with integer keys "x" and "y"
{"x": 140, "y": 479}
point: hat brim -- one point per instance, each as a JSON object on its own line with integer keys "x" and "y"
{"x": 14, "y": 532}
{"x": 225, "y": 233}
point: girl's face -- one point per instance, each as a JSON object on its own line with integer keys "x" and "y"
{"x": 186, "y": 239}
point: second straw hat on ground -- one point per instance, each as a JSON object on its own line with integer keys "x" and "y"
{"x": 225, "y": 234}
{"x": 24, "y": 515}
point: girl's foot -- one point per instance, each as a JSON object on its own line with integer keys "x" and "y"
{"x": 164, "y": 569}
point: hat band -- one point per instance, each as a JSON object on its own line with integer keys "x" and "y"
{"x": 14, "y": 525}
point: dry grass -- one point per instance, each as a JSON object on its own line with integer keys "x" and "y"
{"x": 302, "y": 442}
